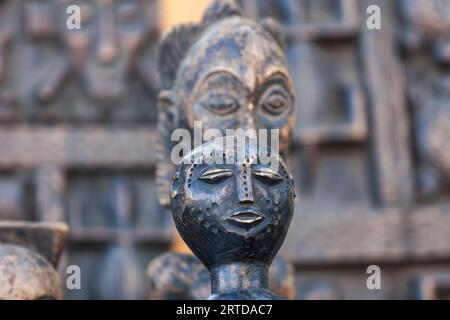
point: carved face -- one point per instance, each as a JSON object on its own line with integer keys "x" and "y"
{"x": 104, "y": 50}
{"x": 237, "y": 212}
{"x": 235, "y": 77}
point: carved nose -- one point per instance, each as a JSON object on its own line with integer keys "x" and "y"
{"x": 107, "y": 53}
{"x": 107, "y": 45}
{"x": 244, "y": 186}
{"x": 249, "y": 121}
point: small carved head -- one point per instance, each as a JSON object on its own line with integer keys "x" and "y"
{"x": 229, "y": 208}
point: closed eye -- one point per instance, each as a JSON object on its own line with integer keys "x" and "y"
{"x": 215, "y": 175}
{"x": 221, "y": 105}
{"x": 267, "y": 176}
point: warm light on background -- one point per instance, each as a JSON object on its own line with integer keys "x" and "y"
{"x": 173, "y": 12}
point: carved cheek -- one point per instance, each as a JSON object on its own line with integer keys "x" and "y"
{"x": 263, "y": 193}
{"x": 232, "y": 123}
{"x": 132, "y": 41}
{"x": 286, "y": 200}
{"x": 188, "y": 189}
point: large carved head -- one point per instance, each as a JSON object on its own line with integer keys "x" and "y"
{"x": 227, "y": 72}
{"x": 231, "y": 204}
{"x": 104, "y": 50}
{"x": 29, "y": 254}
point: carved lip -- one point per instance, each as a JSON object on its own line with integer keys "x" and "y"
{"x": 246, "y": 218}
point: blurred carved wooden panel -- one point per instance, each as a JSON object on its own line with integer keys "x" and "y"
{"x": 371, "y": 147}
{"x": 101, "y": 73}
{"x": 361, "y": 142}
{"x": 77, "y": 109}
{"x": 116, "y": 228}
{"x": 425, "y": 41}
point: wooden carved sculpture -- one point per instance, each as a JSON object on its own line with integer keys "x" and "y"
{"x": 234, "y": 214}
{"x": 229, "y": 73}
{"x": 29, "y": 255}
{"x": 428, "y": 27}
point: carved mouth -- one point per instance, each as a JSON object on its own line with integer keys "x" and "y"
{"x": 105, "y": 83}
{"x": 246, "y": 218}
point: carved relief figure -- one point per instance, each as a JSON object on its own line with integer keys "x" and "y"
{"x": 29, "y": 255}
{"x": 428, "y": 27}
{"x": 104, "y": 51}
{"x": 234, "y": 215}
{"x": 433, "y": 138}
{"x": 100, "y": 70}
{"x": 7, "y": 97}
{"x": 229, "y": 73}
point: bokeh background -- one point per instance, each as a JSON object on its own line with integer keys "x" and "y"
{"x": 370, "y": 156}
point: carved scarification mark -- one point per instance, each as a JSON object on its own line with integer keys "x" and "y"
{"x": 267, "y": 175}
{"x": 215, "y": 175}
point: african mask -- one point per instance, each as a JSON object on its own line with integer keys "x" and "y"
{"x": 233, "y": 214}
{"x": 29, "y": 254}
{"x": 227, "y": 72}
{"x": 103, "y": 51}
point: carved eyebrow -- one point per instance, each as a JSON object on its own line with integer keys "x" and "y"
{"x": 278, "y": 76}
{"x": 267, "y": 173}
{"x": 219, "y": 72}
{"x": 217, "y": 173}
{"x": 213, "y": 79}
